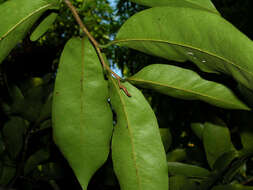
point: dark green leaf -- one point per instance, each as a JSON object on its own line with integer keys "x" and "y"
{"x": 8, "y": 173}
{"x": 190, "y": 34}
{"x": 43, "y": 27}
{"x": 166, "y": 138}
{"x": 137, "y": 152}
{"x": 38, "y": 157}
{"x": 17, "y": 17}
{"x": 82, "y": 118}
{"x": 177, "y": 168}
{"x": 181, "y": 183}
{"x": 198, "y": 129}
{"x": 185, "y": 84}
{"x": 176, "y": 155}
{"x": 232, "y": 187}
{"x": 13, "y": 133}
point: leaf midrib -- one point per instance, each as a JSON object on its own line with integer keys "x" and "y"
{"x": 181, "y": 45}
{"x": 185, "y": 90}
{"x": 24, "y": 19}
{"x": 130, "y": 132}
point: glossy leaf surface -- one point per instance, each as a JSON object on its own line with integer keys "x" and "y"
{"x": 43, "y": 27}
{"x": 198, "y": 4}
{"x": 82, "y": 118}
{"x": 191, "y": 34}
{"x": 216, "y": 140}
{"x": 17, "y": 17}
{"x": 137, "y": 152}
{"x": 177, "y": 168}
{"x": 185, "y": 84}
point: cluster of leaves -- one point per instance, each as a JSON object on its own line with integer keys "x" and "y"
{"x": 91, "y": 114}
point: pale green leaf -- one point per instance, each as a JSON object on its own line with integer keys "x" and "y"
{"x": 43, "y": 27}
{"x": 201, "y": 4}
{"x": 180, "y": 34}
{"x": 17, "y": 17}
{"x": 217, "y": 141}
{"x": 137, "y": 152}
{"x": 82, "y": 118}
{"x": 185, "y": 84}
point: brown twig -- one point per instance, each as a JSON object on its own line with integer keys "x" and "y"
{"x": 95, "y": 44}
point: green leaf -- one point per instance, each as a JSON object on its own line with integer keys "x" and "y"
{"x": 198, "y": 129}
{"x": 43, "y": 27}
{"x": 181, "y": 183}
{"x": 32, "y": 162}
{"x": 202, "y": 4}
{"x": 166, "y": 138}
{"x": 176, "y": 155}
{"x": 17, "y": 17}
{"x": 216, "y": 140}
{"x": 13, "y": 133}
{"x": 177, "y": 168}
{"x": 232, "y": 187}
{"x": 137, "y": 152}
{"x": 185, "y": 84}
{"x": 190, "y": 34}
{"x": 7, "y": 175}
{"x": 82, "y": 118}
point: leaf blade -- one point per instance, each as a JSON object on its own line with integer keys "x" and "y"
{"x": 201, "y": 37}
{"x": 135, "y": 159}
{"x": 81, "y": 93}
{"x": 185, "y": 84}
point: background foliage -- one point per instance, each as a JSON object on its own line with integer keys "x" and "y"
{"x": 26, "y": 82}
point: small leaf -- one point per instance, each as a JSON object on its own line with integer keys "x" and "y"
{"x": 177, "y": 168}
{"x": 216, "y": 140}
{"x": 191, "y": 34}
{"x": 185, "y": 84}
{"x": 181, "y": 183}
{"x": 200, "y": 4}
{"x": 43, "y": 27}
{"x": 198, "y": 129}
{"x": 82, "y": 118}
{"x": 137, "y": 152}
{"x": 166, "y": 138}
{"x": 35, "y": 159}
{"x": 17, "y": 17}
{"x": 7, "y": 175}
{"x": 176, "y": 155}
{"x": 13, "y": 133}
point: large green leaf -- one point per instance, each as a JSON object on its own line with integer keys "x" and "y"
{"x": 179, "y": 33}
{"x": 198, "y": 129}
{"x": 82, "y": 118}
{"x": 177, "y": 168}
{"x": 185, "y": 84}
{"x": 17, "y": 17}
{"x": 216, "y": 140}
{"x": 137, "y": 152}
{"x": 203, "y": 4}
{"x": 43, "y": 27}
